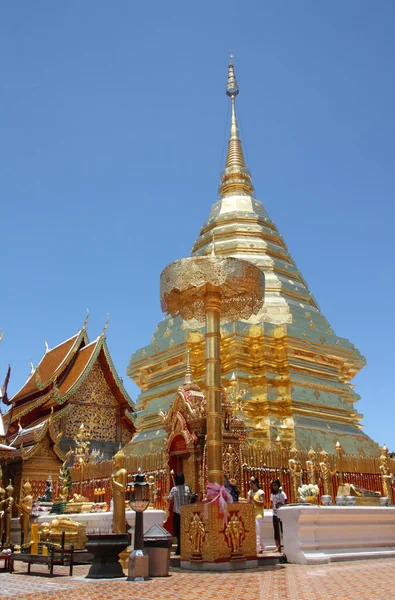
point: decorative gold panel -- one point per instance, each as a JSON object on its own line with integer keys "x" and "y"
{"x": 218, "y": 541}
{"x": 95, "y": 389}
{"x": 99, "y": 421}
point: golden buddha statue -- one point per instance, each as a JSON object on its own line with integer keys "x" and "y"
{"x": 25, "y": 510}
{"x": 326, "y": 473}
{"x": 2, "y": 508}
{"x": 312, "y": 468}
{"x": 8, "y": 504}
{"x": 118, "y": 486}
{"x": 295, "y": 470}
{"x": 385, "y": 472}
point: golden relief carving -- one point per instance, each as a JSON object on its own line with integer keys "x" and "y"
{"x": 95, "y": 389}
{"x": 197, "y": 533}
{"x": 219, "y": 548}
{"x": 102, "y": 423}
{"x": 235, "y": 533}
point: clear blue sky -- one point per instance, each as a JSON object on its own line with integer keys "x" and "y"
{"x": 112, "y": 130}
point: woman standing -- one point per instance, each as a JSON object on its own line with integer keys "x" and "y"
{"x": 257, "y": 497}
{"x": 278, "y": 498}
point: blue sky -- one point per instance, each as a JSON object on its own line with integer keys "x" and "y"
{"x": 112, "y": 134}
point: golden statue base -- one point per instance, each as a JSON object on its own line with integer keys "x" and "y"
{"x": 209, "y": 542}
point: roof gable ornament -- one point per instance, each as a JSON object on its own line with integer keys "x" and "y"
{"x": 86, "y": 319}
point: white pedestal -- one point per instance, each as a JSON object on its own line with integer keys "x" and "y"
{"x": 322, "y": 534}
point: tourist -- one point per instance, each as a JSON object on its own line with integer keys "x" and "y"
{"x": 180, "y": 494}
{"x": 257, "y": 497}
{"x": 278, "y": 498}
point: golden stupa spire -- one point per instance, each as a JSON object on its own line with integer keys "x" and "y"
{"x": 235, "y": 178}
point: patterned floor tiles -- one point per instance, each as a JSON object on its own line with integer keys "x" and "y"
{"x": 365, "y": 580}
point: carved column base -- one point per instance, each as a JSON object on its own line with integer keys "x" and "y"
{"x": 203, "y": 529}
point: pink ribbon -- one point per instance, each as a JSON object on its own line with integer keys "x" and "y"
{"x": 218, "y": 494}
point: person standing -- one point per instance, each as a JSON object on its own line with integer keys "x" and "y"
{"x": 180, "y": 494}
{"x": 278, "y": 498}
{"x": 257, "y": 497}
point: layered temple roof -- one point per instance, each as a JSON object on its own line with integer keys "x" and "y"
{"x": 59, "y": 375}
{"x": 296, "y": 369}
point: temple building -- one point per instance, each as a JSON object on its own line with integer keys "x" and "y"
{"x": 292, "y": 371}
{"x": 75, "y": 383}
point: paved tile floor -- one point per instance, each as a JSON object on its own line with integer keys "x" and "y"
{"x": 362, "y": 580}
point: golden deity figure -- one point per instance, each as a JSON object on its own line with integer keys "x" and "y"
{"x": 118, "y": 486}
{"x": 295, "y": 470}
{"x": 231, "y": 459}
{"x": 2, "y": 508}
{"x": 25, "y": 510}
{"x": 385, "y": 472}
{"x": 8, "y": 504}
{"x": 234, "y": 533}
{"x": 312, "y": 468}
{"x": 197, "y": 533}
{"x": 326, "y": 473}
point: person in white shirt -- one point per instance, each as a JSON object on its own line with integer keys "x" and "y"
{"x": 180, "y": 494}
{"x": 257, "y": 497}
{"x": 278, "y": 498}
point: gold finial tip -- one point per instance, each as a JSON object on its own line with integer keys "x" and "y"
{"x": 231, "y": 57}
{"x": 232, "y": 89}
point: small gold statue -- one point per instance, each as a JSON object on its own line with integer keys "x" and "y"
{"x": 25, "y": 510}
{"x": 385, "y": 472}
{"x": 312, "y": 468}
{"x": 295, "y": 469}
{"x": 326, "y": 473}
{"x": 230, "y": 455}
{"x": 118, "y": 486}
{"x": 197, "y": 533}
{"x": 8, "y": 504}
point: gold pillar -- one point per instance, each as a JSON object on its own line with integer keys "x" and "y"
{"x": 215, "y": 471}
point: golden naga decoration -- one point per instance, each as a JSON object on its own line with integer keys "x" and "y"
{"x": 312, "y": 468}
{"x": 235, "y": 533}
{"x": 197, "y": 533}
{"x": 25, "y": 510}
{"x": 118, "y": 486}
{"x": 74, "y": 532}
{"x": 295, "y": 471}
{"x": 385, "y": 472}
{"x": 325, "y": 473}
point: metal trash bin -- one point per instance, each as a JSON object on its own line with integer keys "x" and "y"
{"x": 157, "y": 544}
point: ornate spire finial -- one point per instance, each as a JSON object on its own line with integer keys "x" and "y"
{"x": 188, "y": 371}
{"x": 236, "y": 178}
